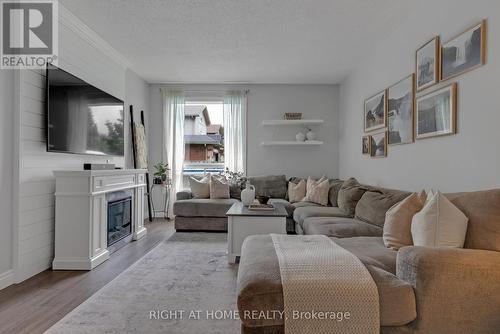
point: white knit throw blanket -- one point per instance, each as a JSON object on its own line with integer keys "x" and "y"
{"x": 326, "y": 289}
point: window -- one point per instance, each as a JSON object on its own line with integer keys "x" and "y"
{"x": 203, "y": 137}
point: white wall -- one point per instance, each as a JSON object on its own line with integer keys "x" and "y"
{"x": 6, "y": 175}
{"x": 271, "y": 102}
{"x": 466, "y": 161}
{"x": 90, "y": 60}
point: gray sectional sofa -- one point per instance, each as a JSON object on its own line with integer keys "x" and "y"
{"x": 422, "y": 290}
{"x": 192, "y": 214}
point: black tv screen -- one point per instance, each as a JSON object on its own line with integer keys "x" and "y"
{"x": 81, "y": 118}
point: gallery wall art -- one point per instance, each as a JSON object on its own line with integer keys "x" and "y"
{"x": 400, "y": 105}
{"x": 464, "y": 52}
{"x": 427, "y": 64}
{"x": 365, "y": 145}
{"x": 378, "y": 145}
{"x": 436, "y": 112}
{"x": 375, "y": 112}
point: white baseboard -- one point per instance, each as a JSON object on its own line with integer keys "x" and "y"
{"x": 6, "y": 279}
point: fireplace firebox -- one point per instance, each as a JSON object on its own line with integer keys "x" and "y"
{"x": 119, "y": 216}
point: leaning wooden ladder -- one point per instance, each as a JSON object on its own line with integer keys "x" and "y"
{"x": 132, "y": 124}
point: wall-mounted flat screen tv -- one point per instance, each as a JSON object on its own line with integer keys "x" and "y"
{"x": 81, "y": 118}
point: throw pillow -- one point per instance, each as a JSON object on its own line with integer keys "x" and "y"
{"x": 318, "y": 193}
{"x": 397, "y": 227}
{"x": 219, "y": 188}
{"x": 200, "y": 188}
{"x": 273, "y": 185}
{"x": 312, "y": 182}
{"x": 349, "y": 195}
{"x": 296, "y": 192}
{"x": 439, "y": 224}
{"x": 334, "y": 191}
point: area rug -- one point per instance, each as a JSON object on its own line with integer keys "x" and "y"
{"x": 184, "y": 285}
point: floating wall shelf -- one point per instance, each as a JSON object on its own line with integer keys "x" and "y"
{"x": 292, "y": 143}
{"x": 293, "y": 122}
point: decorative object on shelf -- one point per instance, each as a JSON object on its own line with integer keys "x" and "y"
{"x": 437, "y": 113}
{"x": 427, "y": 64}
{"x": 248, "y": 194}
{"x": 161, "y": 170}
{"x": 375, "y": 112}
{"x": 293, "y": 115}
{"x": 378, "y": 145}
{"x": 365, "y": 145}
{"x": 464, "y": 52}
{"x": 263, "y": 199}
{"x": 400, "y": 105}
{"x": 310, "y": 135}
{"x": 300, "y": 137}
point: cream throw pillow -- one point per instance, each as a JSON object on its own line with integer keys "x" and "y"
{"x": 439, "y": 224}
{"x": 312, "y": 182}
{"x": 318, "y": 193}
{"x": 219, "y": 187}
{"x": 200, "y": 188}
{"x": 397, "y": 226}
{"x": 296, "y": 192}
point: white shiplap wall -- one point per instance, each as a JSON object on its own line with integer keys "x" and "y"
{"x": 78, "y": 54}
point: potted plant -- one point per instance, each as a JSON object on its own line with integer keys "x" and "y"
{"x": 161, "y": 170}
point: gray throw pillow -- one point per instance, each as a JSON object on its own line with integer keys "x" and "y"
{"x": 333, "y": 194}
{"x": 274, "y": 186}
{"x": 349, "y": 194}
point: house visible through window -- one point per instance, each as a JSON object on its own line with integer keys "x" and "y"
{"x": 203, "y": 137}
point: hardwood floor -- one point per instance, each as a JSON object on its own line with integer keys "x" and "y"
{"x": 36, "y": 304}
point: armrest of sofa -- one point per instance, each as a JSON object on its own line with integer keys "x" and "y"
{"x": 184, "y": 194}
{"x": 456, "y": 290}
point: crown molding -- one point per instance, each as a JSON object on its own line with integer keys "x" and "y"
{"x": 71, "y": 21}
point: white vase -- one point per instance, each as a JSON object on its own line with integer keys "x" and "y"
{"x": 300, "y": 136}
{"x": 310, "y": 135}
{"x": 248, "y": 194}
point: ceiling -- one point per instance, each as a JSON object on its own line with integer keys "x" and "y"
{"x": 242, "y": 41}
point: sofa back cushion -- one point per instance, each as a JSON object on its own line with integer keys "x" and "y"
{"x": 273, "y": 185}
{"x": 349, "y": 194}
{"x": 483, "y": 210}
{"x": 374, "y": 204}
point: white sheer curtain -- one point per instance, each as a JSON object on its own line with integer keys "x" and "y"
{"x": 173, "y": 138}
{"x": 235, "y": 107}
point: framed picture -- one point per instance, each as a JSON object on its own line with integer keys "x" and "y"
{"x": 436, "y": 113}
{"x": 375, "y": 112}
{"x": 378, "y": 145}
{"x": 365, "y": 145}
{"x": 400, "y": 106}
{"x": 427, "y": 64}
{"x": 464, "y": 52}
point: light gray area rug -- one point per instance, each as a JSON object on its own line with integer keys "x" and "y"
{"x": 186, "y": 278}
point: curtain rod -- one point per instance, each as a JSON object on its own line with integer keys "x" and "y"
{"x": 246, "y": 91}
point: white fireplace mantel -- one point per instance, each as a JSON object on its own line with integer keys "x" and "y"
{"x": 81, "y": 214}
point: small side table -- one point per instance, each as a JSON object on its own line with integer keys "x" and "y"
{"x": 164, "y": 190}
{"x": 242, "y": 222}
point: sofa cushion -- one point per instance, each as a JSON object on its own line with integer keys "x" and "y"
{"x": 200, "y": 188}
{"x": 296, "y": 191}
{"x": 287, "y": 205}
{"x": 339, "y": 227}
{"x": 371, "y": 251}
{"x": 349, "y": 194}
{"x": 317, "y": 192}
{"x": 374, "y": 204}
{"x": 304, "y": 212}
{"x": 259, "y": 287}
{"x": 203, "y": 207}
{"x": 304, "y": 204}
{"x": 483, "y": 210}
{"x": 273, "y": 185}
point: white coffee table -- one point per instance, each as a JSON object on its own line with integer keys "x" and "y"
{"x": 242, "y": 222}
